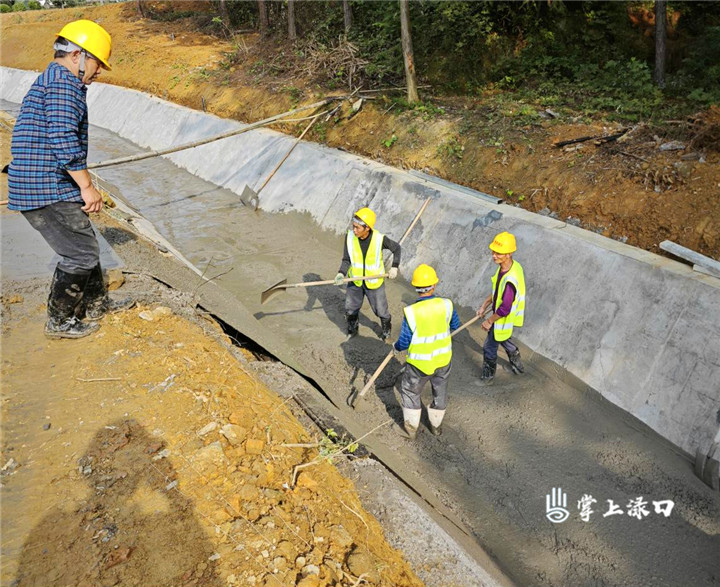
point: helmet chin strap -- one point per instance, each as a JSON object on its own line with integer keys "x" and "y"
{"x": 81, "y": 69}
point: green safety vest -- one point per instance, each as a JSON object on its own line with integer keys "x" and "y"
{"x": 431, "y": 345}
{"x": 372, "y": 264}
{"x": 516, "y": 276}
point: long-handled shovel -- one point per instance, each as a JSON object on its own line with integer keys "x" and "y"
{"x": 353, "y": 397}
{"x": 282, "y": 285}
{"x": 251, "y": 197}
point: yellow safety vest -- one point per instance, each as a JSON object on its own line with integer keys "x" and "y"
{"x": 431, "y": 345}
{"x": 372, "y": 264}
{"x": 516, "y": 276}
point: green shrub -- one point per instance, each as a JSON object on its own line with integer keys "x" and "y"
{"x": 34, "y": 5}
{"x": 19, "y": 7}
{"x": 451, "y": 148}
{"x": 5, "y": 8}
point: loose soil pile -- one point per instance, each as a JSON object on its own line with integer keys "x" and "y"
{"x": 147, "y": 455}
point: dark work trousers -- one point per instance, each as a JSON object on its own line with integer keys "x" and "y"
{"x": 378, "y": 300}
{"x": 413, "y": 382}
{"x": 490, "y": 348}
{"x": 68, "y": 231}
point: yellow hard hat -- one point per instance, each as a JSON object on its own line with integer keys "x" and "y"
{"x": 504, "y": 243}
{"x": 424, "y": 276}
{"x": 367, "y": 216}
{"x": 90, "y": 36}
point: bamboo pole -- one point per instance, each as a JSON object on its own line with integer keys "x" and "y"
{"x": 264, "y": 122}
{"x": 297, "y": 140}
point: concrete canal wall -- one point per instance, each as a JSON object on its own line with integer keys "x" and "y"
{"x": 639, "y": 328}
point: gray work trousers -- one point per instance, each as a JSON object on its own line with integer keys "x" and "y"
{"x": 378, "y": 300}
{"x": 413, "y": 382}
{"x": 68, "y": 231}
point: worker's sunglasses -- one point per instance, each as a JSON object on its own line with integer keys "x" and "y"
{"x": 95, "y": 59}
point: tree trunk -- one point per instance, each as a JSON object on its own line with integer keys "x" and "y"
{"x": 660, "y": 41}
{"x": 292, "y": 33}
{"x": 347, "y": 12}
{"x": 225, "y": 14}
{"x": 408, "y": 53}
{"x": 263, "y": 17}
{"x": 140, "y": 8}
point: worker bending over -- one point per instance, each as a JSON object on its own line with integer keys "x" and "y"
{"x": 425, "y": 334}
{"x": 363, "y": 256}
{"x": 508, "y": 302}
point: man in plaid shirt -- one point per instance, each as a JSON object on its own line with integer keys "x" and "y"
{"x": 49, "y": 182}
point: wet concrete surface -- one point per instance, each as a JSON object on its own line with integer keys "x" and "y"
{"x": 505, "y": 446}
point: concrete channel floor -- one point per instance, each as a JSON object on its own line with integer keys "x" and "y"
{"x": 505, "y": 447}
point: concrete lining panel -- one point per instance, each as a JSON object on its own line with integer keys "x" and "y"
{"x": 637, "y": 327}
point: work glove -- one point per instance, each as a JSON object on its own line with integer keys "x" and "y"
{"x": 339, "y": 279}
{"x": 396, "y": 353}
{"x": 392, "y": 274}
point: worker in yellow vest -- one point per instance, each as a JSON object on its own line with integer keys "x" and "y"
{"x": 425, "y": 334}
{"x": 363, "y": 256}
{"x": 508, "y": 302}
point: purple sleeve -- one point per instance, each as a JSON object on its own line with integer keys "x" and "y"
{"x": 507, "y": 301}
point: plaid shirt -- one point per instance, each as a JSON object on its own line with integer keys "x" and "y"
{"x": 50, "y": 137}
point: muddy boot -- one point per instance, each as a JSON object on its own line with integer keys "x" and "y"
{"x": 488, "y": 371}
{"x": 386, "y": 328}
{"x": 515, "y": 363}
{"x": 96, "y": 302}
{"x": 411, "y": 421}
{"x": 66, "y": 291}
{"x": 436, "y": 418}
{"x": 353, "y": 323}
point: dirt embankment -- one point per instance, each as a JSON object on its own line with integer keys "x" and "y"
{"x": 629, "y": 189}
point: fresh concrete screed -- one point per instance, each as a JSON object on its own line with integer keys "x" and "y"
{"x": 637, "y": 327}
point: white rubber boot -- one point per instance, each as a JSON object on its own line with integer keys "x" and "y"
{"x": 411, "y": 422}
{"x": 436, "y": 418}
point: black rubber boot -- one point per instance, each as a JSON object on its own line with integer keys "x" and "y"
{"x": 515, "y": 363}
{"x": 386, "y": 325}
{"x": 96, "y": 302}
{"x": 488, "y": 371}
{"x": 66, "y": 292}
{"x": 353, "y": 323}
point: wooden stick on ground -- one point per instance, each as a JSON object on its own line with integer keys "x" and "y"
{"x": 601, "y": 138}
{"x": 320, "y": 458}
